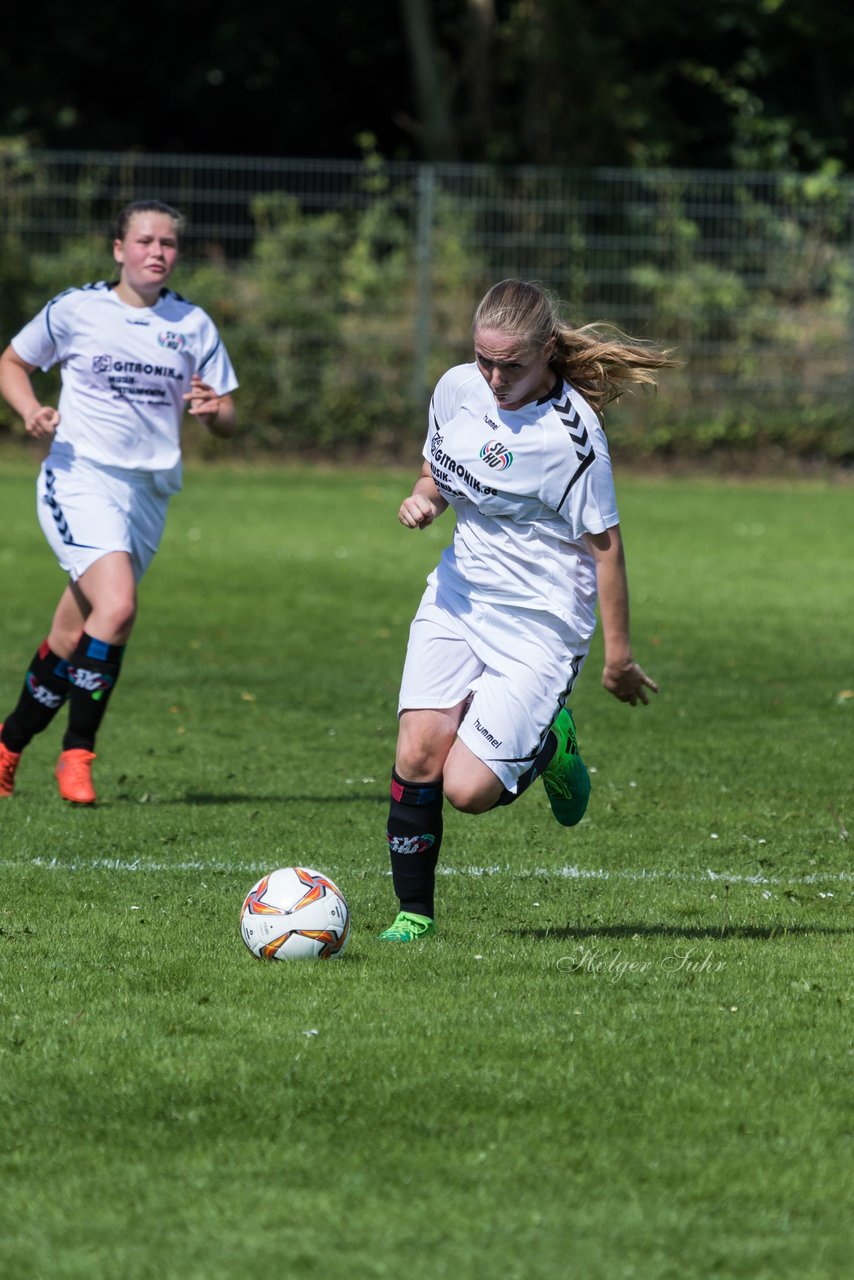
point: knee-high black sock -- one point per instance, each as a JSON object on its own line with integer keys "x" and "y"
{"x": 93, "y": 670}
{"x": 414, "y": 839}
{"x": 542, "y": 759}
{"x": 45, "y": 690}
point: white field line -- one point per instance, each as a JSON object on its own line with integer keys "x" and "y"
{"x": 144, "y": 866}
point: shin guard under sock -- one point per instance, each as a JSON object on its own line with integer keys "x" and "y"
{"x": 45, "y": 690}
{"x": 414, "y": 838}
{"x": 93, "y": 670}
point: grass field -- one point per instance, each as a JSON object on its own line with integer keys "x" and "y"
{"x": 628, "y": 1053}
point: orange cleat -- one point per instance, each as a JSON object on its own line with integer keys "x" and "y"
{"x": 74, "y": 774}
{"x": 8, "y": 765}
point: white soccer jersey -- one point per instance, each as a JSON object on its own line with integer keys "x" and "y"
{"x": 124, "y": 372}
{"x": 526, "y": 485}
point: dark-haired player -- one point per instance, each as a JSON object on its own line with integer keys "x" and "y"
{"x": 133, "y": 356}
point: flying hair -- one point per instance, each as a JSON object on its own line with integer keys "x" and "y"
{"x": 597, "y": 359}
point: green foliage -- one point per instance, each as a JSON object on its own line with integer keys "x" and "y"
{"x": 314, "y": 318}
{"x": 625, "y": 1055}
{"x": 758, "y": 83}
{"x": 694, "y": 303}
{"x": 342, "y": 314}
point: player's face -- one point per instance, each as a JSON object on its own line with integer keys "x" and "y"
{"x": 148, "y": 252}
{"x": 516, "y": 374}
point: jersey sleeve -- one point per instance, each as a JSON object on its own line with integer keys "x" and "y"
{"x": 42, "y": 342}
{"x": 578, "y": 479}
{"x": 446, "y": 400}
{"x": 591, "y": 506}
{"x": 214, "y": 365}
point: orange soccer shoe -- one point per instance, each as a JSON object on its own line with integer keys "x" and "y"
{"x": 74, "y": 774}
{"x": 8, "y": 764}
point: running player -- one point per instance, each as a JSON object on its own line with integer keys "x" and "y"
{"x": 133, "y": 356}
{"x": 515, "y": 445}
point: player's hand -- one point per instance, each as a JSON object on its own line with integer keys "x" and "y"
{"x": 629, "y": 683}
{"x": 203, "y": 400}
{"x": 41, "y": 422}
{"x": 417, "y": 511}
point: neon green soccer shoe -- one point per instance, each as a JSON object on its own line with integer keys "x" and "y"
{"x": 408, "y": 927}
{"x": 565, "y": 777}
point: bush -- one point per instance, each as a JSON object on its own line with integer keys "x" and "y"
{"x": 339, "y": 321}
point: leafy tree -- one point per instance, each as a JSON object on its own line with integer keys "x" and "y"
{"x": 747, "y": 83}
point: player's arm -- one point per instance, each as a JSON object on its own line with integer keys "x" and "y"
{"x": 424, "y": 504}
{"x": 16, "y": 388}
{"x": 621, "y": 676}
{"x": 215, "y": 411}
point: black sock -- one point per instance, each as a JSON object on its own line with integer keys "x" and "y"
{"x": 93, "y": 670}
{"x": 414, "y": 839}
{"x": 542, "y": 759}
{"x": 45, "y": 690}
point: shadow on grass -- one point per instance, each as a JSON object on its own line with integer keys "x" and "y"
{"x": 717, "y": 933}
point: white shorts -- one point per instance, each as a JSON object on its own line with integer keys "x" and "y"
{"x": 87, "y": 510}
{"x": 517, "y": 667}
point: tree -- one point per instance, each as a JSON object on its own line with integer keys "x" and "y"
{"x": 742, "y": 82}
{"x": 437, "y": 138}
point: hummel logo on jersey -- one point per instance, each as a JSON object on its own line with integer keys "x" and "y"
{"x": 490, "y": 423}
{"x": 576, "y": 428}
{"x": 578, "y": 434}
{"x": 496, "y": 455}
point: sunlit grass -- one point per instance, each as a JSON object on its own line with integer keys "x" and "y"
{"x": 626, "y": 1054}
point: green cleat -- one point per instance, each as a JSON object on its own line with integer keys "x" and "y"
{"x": 408, "y": 927}
{"x": 565, "y": 777}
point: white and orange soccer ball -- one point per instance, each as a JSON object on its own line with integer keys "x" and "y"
{"x": 295, "y": 914}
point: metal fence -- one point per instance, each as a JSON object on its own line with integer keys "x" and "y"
{"x": 749, "y": 275}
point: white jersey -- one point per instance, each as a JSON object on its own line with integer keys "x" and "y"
{"x": 526, "y": 485}
{"x": 124, "y": 372}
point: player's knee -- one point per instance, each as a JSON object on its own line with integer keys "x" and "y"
{"x": 118, "y": 618}
{"x": 467, "y": 796}
{"x": 63, "y": 641}
{"x": 419, "y": 759}
{"x": 418, "y": 767}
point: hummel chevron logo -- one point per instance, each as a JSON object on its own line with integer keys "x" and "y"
{"x": 56, "y": 509}
{"x": 576, "y": 428}
{"x": 580, "y": 437}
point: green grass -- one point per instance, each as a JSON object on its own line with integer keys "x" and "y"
{"x": 626, "y": 1056}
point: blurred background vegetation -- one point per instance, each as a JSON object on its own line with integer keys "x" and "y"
{"x": 354, "y": 181}
{"x": 752, "y": 84}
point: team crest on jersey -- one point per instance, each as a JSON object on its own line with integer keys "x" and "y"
{"x": 171, "y": 341}
{"x": 496, "y": 455}
{"x": 102, "y": 364}
{"x": 436, "y": 443}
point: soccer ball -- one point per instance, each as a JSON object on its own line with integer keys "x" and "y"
{"x": 295, "y": 914}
